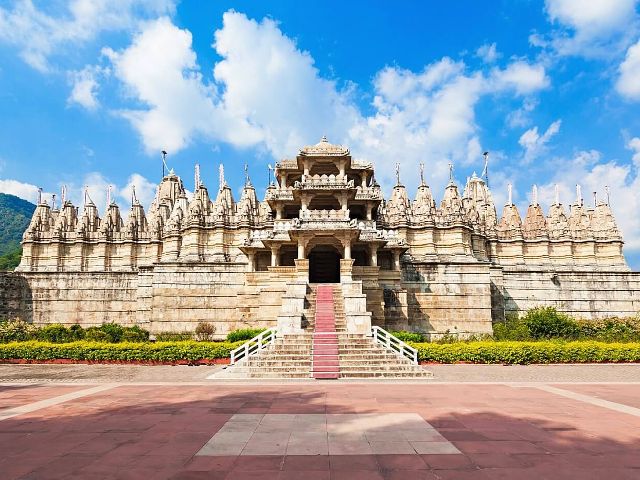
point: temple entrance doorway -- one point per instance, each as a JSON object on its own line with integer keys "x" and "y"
{"x": 324, "y": 264}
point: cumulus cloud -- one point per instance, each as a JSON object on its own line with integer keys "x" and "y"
{"x": 628, "y": 83}
{"x": 592, "y": 28}
{"x": 535, "y": 144}
{"x": 634, "y": 145}
{"x": 488, "y": 53}
{"x": 38, "y": 35}
{"x": 85, "y": 87}
{"x": 521, "y": 76}
{"x": 20, "y": 189}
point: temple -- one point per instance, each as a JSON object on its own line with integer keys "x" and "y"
{"x": 400, "y": 263}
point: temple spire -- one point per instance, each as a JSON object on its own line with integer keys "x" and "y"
{"x": 485, "y": 170}
{"x": 53, "y": 201}
{"x": 63, "y": 195}
{"x": 197, "y": 181}
{"x": 578, "y": 194}
{"x": 39, "y": 195}
{"x": 221, "y": 180}
{"x": 509, "y": 194}
{"x": 606, "y": 189}
{"x": 397, "y": 173}
{"x": 247, "y": 180}
{"x": 134, "y": 199}
{"x": 557, "y": 199}
{"x": 108, "y": 197}
{"x": 422, "y": 184}
{"x": 450, "y": 172}
{"x": 535, "y": 195}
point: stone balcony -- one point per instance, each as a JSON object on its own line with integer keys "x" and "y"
{"x": 324, "y": 182}
{"x": 368, "y": 193}
{"x": 284, "y": 194}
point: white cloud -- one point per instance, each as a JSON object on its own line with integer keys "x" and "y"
{"x": 85, "y": 86}
{"x": 634, "y": 145}
{"x": 265, "y": 92}
{"x": 589, "y": 28}
{"x": 38, "y": 35}
{"x": 535, "y": 144}
{"x": 522, "y": 116}
{"x": 145, "y": 190}
{"x": 488, "y": 53}
{"x": 521, "y": 76}
{"x": 23, "y": 190}
{"x": 628, "y": 83}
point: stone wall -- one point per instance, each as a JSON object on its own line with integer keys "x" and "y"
{"x": 582, "y": 294}
{"x": 68, "y": 298}
{"x": 434, "y": 298}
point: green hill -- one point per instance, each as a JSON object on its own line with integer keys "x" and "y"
{"x": 15, "y": 214}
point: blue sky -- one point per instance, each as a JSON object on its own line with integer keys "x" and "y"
{"x": 92, "y": 91}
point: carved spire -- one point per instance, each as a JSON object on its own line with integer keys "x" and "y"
{"x": 509, "y": 194}
{"x": 578, "y": 195}
{"x": 196, "y": 181}
{"x": 557, "y": 194}
{"x": 534, "y": 195}
{"x": 221, "y": 181}
{"x": 397, "y": 173}
{"x": 422, "y": 184}
{"x": 63, "y": 195}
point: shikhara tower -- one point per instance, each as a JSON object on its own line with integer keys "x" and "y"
{"x": 411, "y": 264}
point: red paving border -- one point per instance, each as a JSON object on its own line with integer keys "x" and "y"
{"x": 153, "y": 432}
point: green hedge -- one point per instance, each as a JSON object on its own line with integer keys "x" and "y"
{"x": 528, "y": 352}
{"x": 96, "y": 351}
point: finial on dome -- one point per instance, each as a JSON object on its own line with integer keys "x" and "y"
{"x": 557, "y": 200}
{"x": 53, "y": 201}
{"x": 606, "y": 189}
{"x": 509, "y": 194}
{"x": 197, "y": 181}
{"x": 450, "y": 172}
{"x": 578, "y": 194}
{"x": 221, "y": 180}
{"x": 324, "y": 139}
{"x": 422, "y": 184}
{"x": 108, "y": 197}
{"x": 63, "y": 195}
{"x": 535, "y": 195}
{"x": 134, "y": 199}
{"x": 247, "y": 180}
{"x": 397, "y": 173}
{"x": 39, "y": 195}
{"x": 595, "y": 199}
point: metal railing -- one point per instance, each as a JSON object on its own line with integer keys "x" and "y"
{"x": 384, "y": 338}
{"x": 254, "y": 345}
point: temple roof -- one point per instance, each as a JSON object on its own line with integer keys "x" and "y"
{"x": 323, "y": 148}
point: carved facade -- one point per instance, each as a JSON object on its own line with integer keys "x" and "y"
{"x": 421, "y": 265}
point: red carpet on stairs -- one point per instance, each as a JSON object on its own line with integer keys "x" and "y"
{"x": 325, "y": 339}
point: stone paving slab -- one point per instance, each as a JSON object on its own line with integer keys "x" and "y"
{"x": 156, "y": 431}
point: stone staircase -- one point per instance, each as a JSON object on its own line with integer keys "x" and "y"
{"x": 326, "y": 364}
{"x": 326, "y": 350}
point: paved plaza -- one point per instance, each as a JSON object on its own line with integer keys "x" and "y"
{"x": 504, "y": 423}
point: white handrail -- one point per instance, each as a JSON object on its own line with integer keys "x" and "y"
{"x": 394, "y": 344}
{"x": 254, "y": 345}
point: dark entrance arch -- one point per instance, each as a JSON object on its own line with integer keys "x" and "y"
{"x": 324, "y": 265}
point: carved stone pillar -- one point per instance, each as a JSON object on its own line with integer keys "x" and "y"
{"x": 369, "y": 211}
{"x": 374, "y": 255}
{"x": 347, "y": 249}
{"x": 251, "y": 265}
{"x": 278, "y": 212}
{"x": 396, "y": 259}
{"x": 274, "y": 255}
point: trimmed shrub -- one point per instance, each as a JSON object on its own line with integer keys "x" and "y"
{"x": 408, "y": 336}
{"x": 244, "y": 334}
{"x": 96, "y": 334}
{"x": 190, "y": 351}
{"x": 135, "y": 334}
{"x": 513, "y": 328}
{"x": 54, "y": 333}
{"x": 204, "y": 331}
{"x": 528, "y": 352}
{"x": 16, "y": 331}
{"x": 547, "y": 322}
{"x": 173, "y": 336}
{"x": 610, "y": 329}
{"x": 113, "y": 330}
